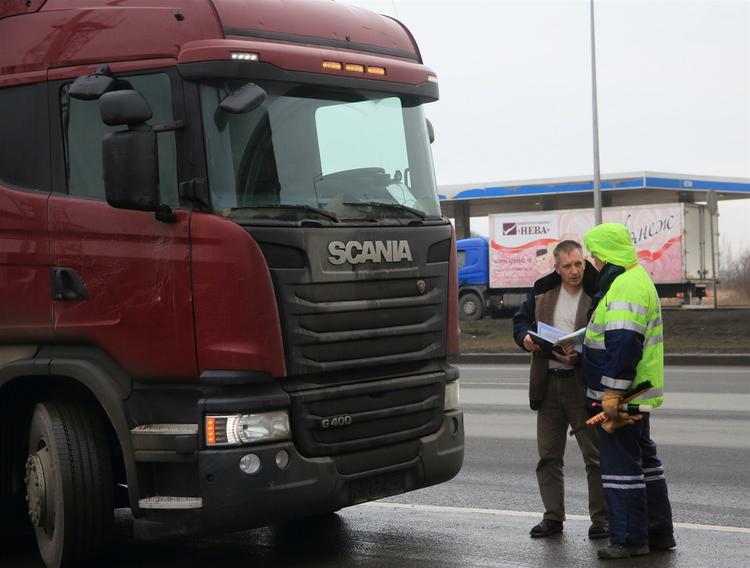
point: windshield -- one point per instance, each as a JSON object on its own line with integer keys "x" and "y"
{"x": 309, "y": 153}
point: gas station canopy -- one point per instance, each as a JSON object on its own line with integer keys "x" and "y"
{"x": 463, "y": 201}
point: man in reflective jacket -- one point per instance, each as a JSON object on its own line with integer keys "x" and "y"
{"x": 624, "y": 347}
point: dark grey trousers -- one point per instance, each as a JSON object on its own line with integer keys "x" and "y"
{"x": 563, "y": 406}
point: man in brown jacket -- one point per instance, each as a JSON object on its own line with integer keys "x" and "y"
{"x": 556, "y": 387}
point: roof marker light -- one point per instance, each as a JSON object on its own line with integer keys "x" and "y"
{"x": 244, "y": 56}
{"x": 355, "y": 67}
{"x": 333, "y": 65}
{"x": 432, "y": 78}
{"x": 376, "y": 70}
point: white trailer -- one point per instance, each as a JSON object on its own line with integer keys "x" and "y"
{"x": 673, "y": 242}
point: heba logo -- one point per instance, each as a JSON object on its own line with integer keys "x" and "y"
{"x": 510, "y": 229}
{"x": 355, "y": 252}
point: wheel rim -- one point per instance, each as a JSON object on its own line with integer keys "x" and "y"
{"x": 39, "y": 490}
{"x": 470, "y": 307}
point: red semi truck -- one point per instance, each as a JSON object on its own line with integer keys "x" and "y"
{"x": 228, "y": 292}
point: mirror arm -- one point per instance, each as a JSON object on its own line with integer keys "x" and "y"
{"x": 194, "y": 191}
{"x": 168, "y": 126}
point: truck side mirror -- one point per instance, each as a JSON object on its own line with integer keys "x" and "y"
{"x": 430, "y": 130}
{"x": 130, "y": 158}
{"x": 91, "y": 87}
{"x": 246, "y": 99}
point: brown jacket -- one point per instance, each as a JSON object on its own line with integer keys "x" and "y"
{"x": 545, "y": 310}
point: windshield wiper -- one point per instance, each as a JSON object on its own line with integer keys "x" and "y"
{"x": 316, "y": 210}
{"x": 398, "y": 206}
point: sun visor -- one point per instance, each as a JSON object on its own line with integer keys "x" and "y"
{"x": 317, "y": 22}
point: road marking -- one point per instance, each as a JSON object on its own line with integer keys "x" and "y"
{"x": 507, "y": 513}
{"x": 701, "y": 371}
{"x": 682, "y": 369}
{"x": 462, "y": 382}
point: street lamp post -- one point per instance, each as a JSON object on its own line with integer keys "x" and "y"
{"x": 597, "y": 179}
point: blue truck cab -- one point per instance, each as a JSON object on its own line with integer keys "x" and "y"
{"x": 472, "y": 262}
{"x": 475, "y": 296}
{"x": 473, "y": 276}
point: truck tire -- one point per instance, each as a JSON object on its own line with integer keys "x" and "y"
{"x": 15, "y": 527}
{"x": 68, "y": 482}
{"x": 470, "y": 307}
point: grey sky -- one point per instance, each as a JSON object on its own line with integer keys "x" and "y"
{"x": 515, "y": 89}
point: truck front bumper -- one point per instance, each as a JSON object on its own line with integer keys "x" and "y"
{"x": 233, "y": 500}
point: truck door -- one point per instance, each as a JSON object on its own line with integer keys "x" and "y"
{"x": 26, "y": 299}
{"x": 122, "y": 279}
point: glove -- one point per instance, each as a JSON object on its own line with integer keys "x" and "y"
{"x": 616, "y": 419}
{"x": 611, "y": 404}
{"x": 623, "y": 419}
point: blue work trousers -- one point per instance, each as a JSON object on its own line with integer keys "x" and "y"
{"x": 634, "y": 485}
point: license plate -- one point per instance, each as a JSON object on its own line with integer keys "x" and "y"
{"x": 372, "y": 488}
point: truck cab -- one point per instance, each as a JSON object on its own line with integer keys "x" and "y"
{"x": 473, "y": 276}
{"x": 229, "y": 293}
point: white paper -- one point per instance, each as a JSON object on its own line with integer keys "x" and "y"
{"x": 558, "y": 336}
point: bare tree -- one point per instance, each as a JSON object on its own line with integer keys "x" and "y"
{"x": 735, "y": 270}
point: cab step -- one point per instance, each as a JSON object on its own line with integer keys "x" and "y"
{"x": 175, "y": 443}
{"x": 171, "y": 503}
{"x": 166, "y": 429}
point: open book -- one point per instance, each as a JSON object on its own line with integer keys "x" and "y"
{"x": 551, "y": 338}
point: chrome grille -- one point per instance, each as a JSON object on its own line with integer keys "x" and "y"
{"x": 356, "y": 317}
{"x": 343, "y": 324}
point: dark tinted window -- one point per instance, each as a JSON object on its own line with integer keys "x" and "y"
{"x": 83, "y": 132}
{"x": 24, "y": 137}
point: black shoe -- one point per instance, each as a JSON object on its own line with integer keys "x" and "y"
{"x": 546, "y": 528}
{"x": 661, "y": 542}
{"x": 622, "y": 551}
{"x": 599, "y": 530}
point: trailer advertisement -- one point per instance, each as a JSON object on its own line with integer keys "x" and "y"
{"x": 521, "y": 244}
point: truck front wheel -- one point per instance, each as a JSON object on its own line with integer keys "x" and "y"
{"x": 470, "y": 307}
{"x": 68, "y": 482}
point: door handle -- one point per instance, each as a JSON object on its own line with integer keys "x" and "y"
{"x": 67, "y": 286}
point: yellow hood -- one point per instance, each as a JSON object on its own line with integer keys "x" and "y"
{"x": 611, "y": 242}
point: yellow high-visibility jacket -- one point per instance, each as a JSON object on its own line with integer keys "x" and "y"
{"x": 624, "y": 343}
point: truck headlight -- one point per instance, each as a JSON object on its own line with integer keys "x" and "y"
{"x": 242, "y": 429}
{"x": 452, "y": 396}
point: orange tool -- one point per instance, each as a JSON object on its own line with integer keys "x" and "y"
{"x": 602, "y": 416}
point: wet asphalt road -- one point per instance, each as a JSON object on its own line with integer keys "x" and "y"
{"x": 482, "y": 517}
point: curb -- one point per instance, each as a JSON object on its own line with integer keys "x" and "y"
{"x": 697, "y": 359}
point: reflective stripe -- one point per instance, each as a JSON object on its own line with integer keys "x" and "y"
{"x": 596, "y": 327}
{"x": 593, "y": 343}
{"x": 628, "y": 306}
{"x": 651, "y": 469}
{"x": 619, "y": 384}
{"x": 625, "y": 324}
{"x": 654, "y": 477}
{"x": 623, "y": 477}
{"x": 594, "y": 394}
{"x": 655, "y": 323}
{"x": 655, "y": 340}
{"x": 622, "y": 486}
{"x": 653, "y": 393}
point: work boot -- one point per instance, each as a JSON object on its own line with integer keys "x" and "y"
{"x": 547, "y": 527}
{"x": 599, "y": 529}
{"x": 622, "y": 551}
{"x": 661, "y": 542}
